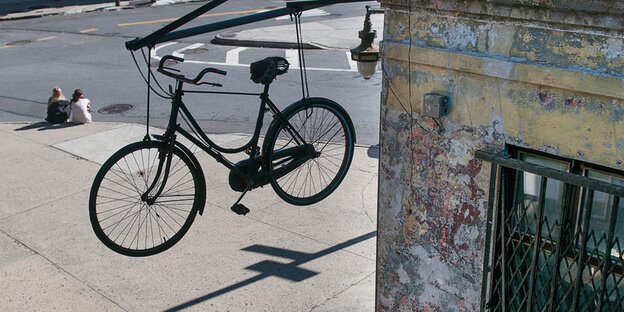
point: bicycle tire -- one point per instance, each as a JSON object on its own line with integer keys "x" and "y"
{"x": 325, "y": 125}
{"x": 129, "y": 225}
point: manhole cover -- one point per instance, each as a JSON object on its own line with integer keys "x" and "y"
{"x": 168, "y": 63}
{"x": 195, "y": 51}
{"x": 115, "y": 109}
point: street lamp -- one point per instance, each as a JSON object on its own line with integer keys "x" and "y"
{"x": 365, "y": 54}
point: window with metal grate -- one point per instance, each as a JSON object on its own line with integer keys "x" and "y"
{"x": 555, "y": 235}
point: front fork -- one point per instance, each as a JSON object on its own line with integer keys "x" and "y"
{"x": 164, "y": 164}
{"x": 166, "y": 151}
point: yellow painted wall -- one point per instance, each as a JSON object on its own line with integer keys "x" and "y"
{"x": 553, "y": 90}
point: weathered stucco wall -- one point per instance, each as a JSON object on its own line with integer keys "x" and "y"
{"x": 542, "y": 74}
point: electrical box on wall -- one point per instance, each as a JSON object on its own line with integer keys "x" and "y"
{"x": 435, "y": 105}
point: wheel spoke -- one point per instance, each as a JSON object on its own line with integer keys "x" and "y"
{"x": 125, "y": 221}
{"x": 326, "y": 128}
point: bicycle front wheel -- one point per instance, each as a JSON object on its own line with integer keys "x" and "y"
{"x": 131, "y": 222}
{"x": 303, "y": 174}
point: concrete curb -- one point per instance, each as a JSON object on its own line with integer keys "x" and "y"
{"x": 225, "y": 39}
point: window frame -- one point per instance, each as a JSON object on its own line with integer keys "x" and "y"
{"x": 575, "y": 191}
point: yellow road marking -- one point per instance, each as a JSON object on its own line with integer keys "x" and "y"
{"x": 205, "y": 15}
{"x": 46, "y": 38}
{"x": 88, "y": 30}
{"x": 6, "y": 46}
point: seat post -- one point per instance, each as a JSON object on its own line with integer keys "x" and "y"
{"x": 265, "y": 93}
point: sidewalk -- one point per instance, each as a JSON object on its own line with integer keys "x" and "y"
{"x": 277, "y": 258}
{"x": 338, "y": 33}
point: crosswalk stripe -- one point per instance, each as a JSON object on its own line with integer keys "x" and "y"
{"x": 231, "y": 56}
{"x": 153, "y": 53}
{"x": 352, "y": 63}
{"x": 180, "y": 52}
{"x": 292, "y": 56}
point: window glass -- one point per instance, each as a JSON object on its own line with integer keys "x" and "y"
{"x": 601, "y": 216}
{"x": 529, "y": 192}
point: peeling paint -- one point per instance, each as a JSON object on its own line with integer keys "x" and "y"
{"x": 545, "y": 98}
{"x": 444, "y": 207}
{"x": 612, "y": 48}
{"x": 516, "y": 80}
{"x": 460, "y": 37}
{"x": 572, "y": 102}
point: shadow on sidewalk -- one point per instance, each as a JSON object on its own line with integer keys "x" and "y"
{"x": 289, "y": 271}
{"x": 44, "y": 125}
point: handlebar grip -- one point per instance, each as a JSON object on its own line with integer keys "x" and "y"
{"x": 219, "y": 71}
{"x": 195, "y": 81}
{"x": 208, "y": 70}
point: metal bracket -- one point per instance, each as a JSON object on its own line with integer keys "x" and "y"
{"x": 435, "y": 105}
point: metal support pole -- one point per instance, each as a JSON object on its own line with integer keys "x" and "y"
{"x": 167, "y": 34}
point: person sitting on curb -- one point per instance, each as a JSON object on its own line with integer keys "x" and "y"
{"x": 80, "y": 108}
{"x": 58, "y": 107}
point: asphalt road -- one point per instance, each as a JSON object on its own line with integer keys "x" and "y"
{"x": 87, "y": 51}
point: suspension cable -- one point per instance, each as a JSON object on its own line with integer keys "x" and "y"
{"x": 145, "y": 79}
{"x": 302, "y": 64}
{"x": 149, "y": 76}
{"x": 149, "y": 63}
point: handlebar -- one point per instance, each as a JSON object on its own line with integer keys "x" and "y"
{"x": 163, "y": 70}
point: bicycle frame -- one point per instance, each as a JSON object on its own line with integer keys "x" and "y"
{"x": 213, "y": 149}
{"x": 167, "y": 33}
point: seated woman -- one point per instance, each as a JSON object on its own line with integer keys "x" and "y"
{"x": 80, "y": 108}
{"x": 58, "y": 107}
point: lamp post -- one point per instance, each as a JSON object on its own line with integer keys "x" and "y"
{"x": 365, "y": 54}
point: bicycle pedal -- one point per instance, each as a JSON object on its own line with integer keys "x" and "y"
{"x": 240, "y": 209}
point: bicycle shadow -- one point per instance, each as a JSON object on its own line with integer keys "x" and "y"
{"x": 44, "y": 125}
{"x": 289, "y": 271}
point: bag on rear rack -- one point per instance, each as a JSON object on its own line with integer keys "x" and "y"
{"x": 264, "y": 71}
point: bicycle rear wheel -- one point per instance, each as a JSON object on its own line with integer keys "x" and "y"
{"x": 123, "y": 217}
{"x": 305, "y": 174}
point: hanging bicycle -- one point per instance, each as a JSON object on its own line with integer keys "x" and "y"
{"x": 146, "y": 195}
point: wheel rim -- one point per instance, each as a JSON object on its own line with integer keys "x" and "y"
{"x": 324, "y": 129}
{"x": 128, "y": 224}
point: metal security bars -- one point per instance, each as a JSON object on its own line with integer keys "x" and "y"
{"x": 555, "y": 239}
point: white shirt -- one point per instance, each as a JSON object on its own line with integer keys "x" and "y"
{"x": 79, "y": 111}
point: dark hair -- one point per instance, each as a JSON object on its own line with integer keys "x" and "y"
{"x": 77, "y": 93}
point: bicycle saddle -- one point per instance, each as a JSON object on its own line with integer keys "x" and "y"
{"x": 264, "y": 71}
